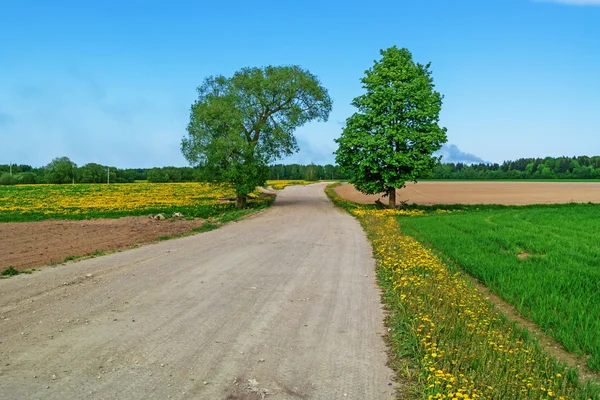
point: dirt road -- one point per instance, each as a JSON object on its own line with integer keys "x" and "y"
{"x": 283, "y": 306}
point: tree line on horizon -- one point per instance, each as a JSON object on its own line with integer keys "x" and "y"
{"x": 582, "y": 167}
{"x": 63, "y": 171}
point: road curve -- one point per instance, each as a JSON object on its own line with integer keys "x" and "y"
{"x": 283, "y": 305}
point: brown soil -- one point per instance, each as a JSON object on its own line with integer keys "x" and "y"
{"x": 32, "y": 244}
{"x": 509, "y": 193}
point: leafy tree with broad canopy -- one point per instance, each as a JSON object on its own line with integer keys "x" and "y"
{"x": 391, "y": 139}
{"x": 60, "y": 170}
{"x": 240, "y": 125}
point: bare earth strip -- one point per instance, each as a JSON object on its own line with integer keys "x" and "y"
{"x": 33, "y": 244}
{"x": 283, "y": 305}
{"x": 509, "y": 193}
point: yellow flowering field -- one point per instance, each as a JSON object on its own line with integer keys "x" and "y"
{"x": 34, "y": 202}
{"x": 448, "y": 340}
{"x": 280, "y": 184}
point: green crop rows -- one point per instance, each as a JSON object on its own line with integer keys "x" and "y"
{"x": 545, "y": 260}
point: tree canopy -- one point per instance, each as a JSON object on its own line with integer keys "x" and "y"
{"x": 239, "y": 125}
{"x": 60, "y": 170}
{"x": 391, "y": 138}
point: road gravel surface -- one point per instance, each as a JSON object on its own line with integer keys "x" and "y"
{"x": 283, "y": 305}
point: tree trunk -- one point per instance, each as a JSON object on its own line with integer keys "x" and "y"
{"x": 240, "y": 201}
{"x": 392, "y": 197}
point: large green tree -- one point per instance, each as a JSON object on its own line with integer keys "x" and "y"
{"x": 60, "y": 170}
{"x": 92, "y": 173}
{"x": 240, "y": 125}
{"x": 391, "y": 139}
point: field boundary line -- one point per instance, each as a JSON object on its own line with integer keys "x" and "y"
{"x": 547, "y": 342}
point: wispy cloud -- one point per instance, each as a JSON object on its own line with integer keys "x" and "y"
{"x": 573, "y": 2}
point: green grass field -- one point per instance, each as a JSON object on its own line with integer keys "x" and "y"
{"x": 545, "y": 260}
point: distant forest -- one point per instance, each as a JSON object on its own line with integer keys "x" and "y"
{"x": 62, "y": 170}
{"x": 524, "y": 168}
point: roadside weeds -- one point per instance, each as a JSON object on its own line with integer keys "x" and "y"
{"x": 447, "y": 339}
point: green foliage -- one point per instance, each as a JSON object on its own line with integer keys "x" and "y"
{"x": 130, "y": 175}
{"x": 311, "y": 172}
{"x": 174, "y": 174}
{"x": 7, "y": 179}
{"x": 549, "y": 168}
{"x": 26, "y": 178}
{"x": 391, "y": 138}
{"x": 157, "y": 175}
{"x": 556, "y": 279}
{"x": 60, "y": 170}
{"x": 206, "y": 227}
{"x": 94, "y": 173}
{"x": 11, "y": 271}
{"x": 239, "y": 125}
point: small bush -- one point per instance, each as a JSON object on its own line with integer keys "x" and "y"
{"x": 26, "y": 178}
{"x": 10, "y": 271}
{"x": 7, "y": 179}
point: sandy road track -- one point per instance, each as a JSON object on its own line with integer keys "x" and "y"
{"x": 283, "y": 305}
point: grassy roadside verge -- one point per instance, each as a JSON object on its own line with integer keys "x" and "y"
{"x": 447, "y": 340}
{"x": 222, "y": 219}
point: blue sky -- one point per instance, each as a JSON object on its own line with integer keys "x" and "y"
{"x": 112, "y": 81}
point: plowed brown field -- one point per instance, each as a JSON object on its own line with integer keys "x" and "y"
{"x": 509, "y": 193}
{"x": 33, "y": 244}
